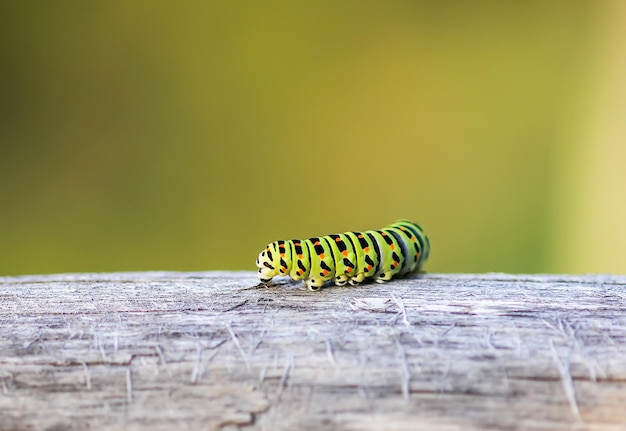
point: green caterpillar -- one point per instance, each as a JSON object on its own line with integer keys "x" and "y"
{"x": 396, "y": 250}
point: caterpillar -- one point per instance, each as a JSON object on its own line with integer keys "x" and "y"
{"x": 350, "y": 257}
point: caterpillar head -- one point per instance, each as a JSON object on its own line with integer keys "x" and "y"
{"x": 268, "y": 263}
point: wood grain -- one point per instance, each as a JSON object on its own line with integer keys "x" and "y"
{"x": 166, "y": 350}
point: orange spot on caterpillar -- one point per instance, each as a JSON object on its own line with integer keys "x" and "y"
{"x": 348, "y": 269}
{"x": 392, "y": 246}
{"x": 366, "y": 249}
{"x": 316, "y": 243}
{"x": 337, "y": 239}
{"x": 345, "y": 252}
{"x": 360, "y": 236}
{"x": 325, "y": 272}
{"x": 369, "y": 267}
{"x": 300, "y": 256}
{"x": 321, "y": 256}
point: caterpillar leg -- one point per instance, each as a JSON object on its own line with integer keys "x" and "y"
{"x": 341, "y": 281}
{"x": 314, "y": 284}
{"x": 384, "y": 277}
{"x": 358, "y": 279}
{"x": 263, "y": 279}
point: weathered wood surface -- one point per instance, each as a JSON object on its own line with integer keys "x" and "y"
{"x": 202, "y": 351}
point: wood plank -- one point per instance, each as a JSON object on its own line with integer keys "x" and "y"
{"x": 165, "y": 350}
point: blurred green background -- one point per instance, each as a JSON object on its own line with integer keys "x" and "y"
{"x": 141, "y": 135}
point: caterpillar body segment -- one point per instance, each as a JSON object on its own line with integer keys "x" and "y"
{"x": 391, "y": 257}
{"x": 322, "y": 263}
{"x": 366, "y": 256}
{"x": 350, "y": 257}
{"x": 301, "y": 262}
{"x": 344, "y": 252}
